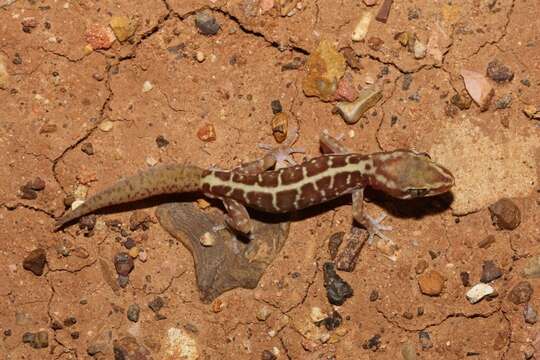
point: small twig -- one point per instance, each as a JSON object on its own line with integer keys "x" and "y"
{"x": 384, "y": 11}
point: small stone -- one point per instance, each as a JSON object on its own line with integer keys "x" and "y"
{"x": 87, "y": 148}
{"x": 147, "y": 86}
{"x": 408, "y": 315}
{"x": 268, "y": 355}
{"x": 28, "y": 337}
{"x": 35, "y": 261}
{"x": 486, "y": 242}
{"x": 361, "y": 28}
{"x": 532, "y": 112}
{"x": 40, "y": 340}
{"x": 156, "y": 304}
{"x": 8, "y": 332}
{"x": 351, "y": 58}
{"x": 431, "y": 283}
{"x": 521, "y": 293}
{"x": 4, "y": 76}
{"x": 70, "y": 321}
{"x": 276, "y": 107}
{"x": 478, "y": 292}
{"x": 505, "y": 214}
{"x": 464, "y": 276}
{"x": 490, "y": 272}
{"x": 367, "y": 98}
{"x": 337, "y": 289}
{"x": 199, "y": 55}
{"x": 161, "y": 142}
{"x": 345, "y": 90}
{"x": 98, "y": 76}
{"x": 263, "y": 313}
{"x": 532, "y": 268}
{"x": 88, "y": 222}
{"x": 75, "y": 335}
{"x": 151, "y": 161}
{"x": 122, "y": 281}
{"x": 133, "y": 312}
{"x": 106, "y": 125}
{"x": 373, "y": 344}
{"x": 408, "y": 351}
{"x": 123, "y": 263}
{"x": 374, "y": 295}
{"x": 37, "y": 184}
{"x": 206, "y": 24}
{"x": 99, "y": 36}
{"x": 325, "y": 67}
{"x": 139, "y": 220}
{"x": 462, "y": 100}
{"x": 478, "y": 88}
{"x": 407, "y": 81}
{"x": 425, "y": 340}
{"x": 317, "y": 314}
{"x": 530, "y": 314}
{"x": 421, "y": 266}
{"x": 419, "y": 311}
{"x": 280, "y": 126}
{"x": 504, "y": 102}
{"x": 499, "y": 72}
{"x": 525, "y": 82}
{"x": 27, "y": 193}
{"x": 375, "y": 43}
{"x": 122, "y": 27}
{"x": 134, "y": 252}
{"x": 207, "y": 133}
{"x": 207, "y": 239}
{"x": 334, "y": 242}
{"x": 333, "y": 321}
{"x": 143, "y": 256}
{"x": 419, "y": 50}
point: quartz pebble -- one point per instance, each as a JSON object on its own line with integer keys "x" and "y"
{"x": 263, "y": 313}
{"x": 478, "y": 292}
{"x": 99, "y": 36}
{"x": 207, "y": 239}
{"x": 361, "y": 28}
{"x": 147, "y": 86}
{"x": 106, "y": 125}
{"x": 353, "y": 111}
{"x": 317, "y": 314}
{"x": 200, "y": 56}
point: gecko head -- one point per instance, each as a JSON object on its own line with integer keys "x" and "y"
{"x": 406, "y": 174}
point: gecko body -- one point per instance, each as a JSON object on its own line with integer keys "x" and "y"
{"x": 400, "y": 173}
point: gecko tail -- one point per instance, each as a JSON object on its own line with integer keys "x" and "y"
{"x": 164, "y": 179}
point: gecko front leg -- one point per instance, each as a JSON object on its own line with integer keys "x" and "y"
{"x": 373, "y": 226}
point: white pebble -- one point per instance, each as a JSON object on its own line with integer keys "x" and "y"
{"x": 200, "y": 56}
{"x": 317, "y": 314}
{"x": 419, "y": 50}
{"x": 147, "y": 86}
{"x": 361, "y": 28}
{"x": 151, "y": 161}
{"x": 478, "y": 292}
{"x": 106, "y": 125}
{"x": 76, "y": 204}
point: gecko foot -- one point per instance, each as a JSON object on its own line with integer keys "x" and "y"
{"x": 375, "y": 227}
{"x": 282, "y": 154}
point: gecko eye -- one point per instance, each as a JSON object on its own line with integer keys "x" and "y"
{"x": 417, "y": 192}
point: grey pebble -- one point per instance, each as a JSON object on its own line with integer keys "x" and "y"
{"x": 490, "y": 272}
{"x": 133, "y": 312}
{"x": 206, "y": 24}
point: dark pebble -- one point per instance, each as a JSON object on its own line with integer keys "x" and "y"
{"x": 413, "y": 13}
{"x": 526, "y": 82}
{"x": 414, "y": 96}
{"x": 70, "y": 321}
{"x": 334, "y": 242}
{"x": 139, "y": 220}
{"x": 521, "y": 293}
{"x": 87, "y": 148}
{"x": 133, "y": 312}
{"x": 337, "y": 290}
{"x": 37, "y": 184}
{"x": 75, "y": 335}
{"x": 530, "y": 314}
{"x": 56, "y": 325}
{"x": 123, "y": 263}
{"x": 393, "y": 120}
{"x": 276, "y": 107}
{"x": 465, "y": 278}
{"x": 505, "y": 214}
{"x": 268, "y": 355}
{"x": 17, "y": 60}
{"x": 122, "y": 281}
{"x": 504, "y": 102}
{"x": 373, "y": 344}
{"x": 156, "y": 304}
{"x": 88, "y": 222}
{"x": 161, "y": 142}
{"x": 408, "y": 315}
{"x": 486, "y": 242}
{"x": 374, "y": 295}
{"x": 499, "y": 72}
{"x": 206, "y": 24}
{"x": 293, "y": 65}
{"x": 490, "y": 272}
{"x": 375, "y": 43}
{"x": 28, "y": 337}
{"x": 26, "y": 193}
{"x": 159, "y": 317}
{"x": 425, "y": 340}
{"x": 35, "y": 261}
{"x": 129, "y": 243}
{"x": 333, "y": 321}
{"x": 191, "y": 328}
{"x": 407, "y": 81}
{"x": 419, "y": 311}
{"x": 7, "y": 332}
{"x": 462, "y": 100}
{"x": 39, "y": 340}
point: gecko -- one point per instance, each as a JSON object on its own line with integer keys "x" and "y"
{"x": 403, "y": 174}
